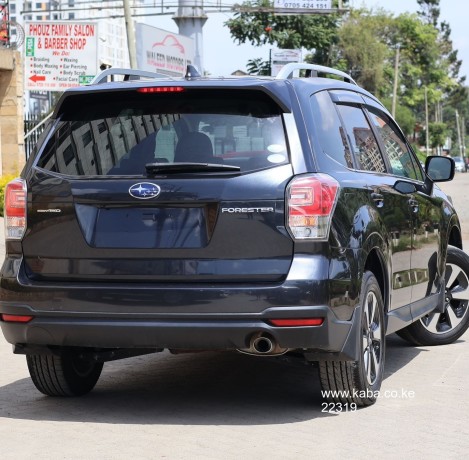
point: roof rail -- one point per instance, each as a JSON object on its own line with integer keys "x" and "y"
{"x": 314, "y": 70}
{"x": 129, "y": 74}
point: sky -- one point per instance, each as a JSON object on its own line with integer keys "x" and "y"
{"x": 222, "y": 56}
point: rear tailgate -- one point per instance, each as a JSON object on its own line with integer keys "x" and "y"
{"x": 102, "y": 206}
{"x": 199, "y": 229}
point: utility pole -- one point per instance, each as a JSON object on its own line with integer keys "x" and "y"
{"x": 461, "y": 154}
{"x": 463, "y": 135}
{"x": 129, "y": 27}
{"x": 396, "y": 83}
{"x": 190, "y": 19}
{"x": 427, "y": 131}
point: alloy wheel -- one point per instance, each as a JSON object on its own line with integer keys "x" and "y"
{"x": 456, "y": 302}
{"x": 372, "y": 339}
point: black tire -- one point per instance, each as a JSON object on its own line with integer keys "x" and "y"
{"x": 66, "y": 375}
{"x": 358, "y": 382}
{"x": 444, "y": 328}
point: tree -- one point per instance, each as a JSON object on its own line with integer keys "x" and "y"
{"x": 256, "y": 23}
{"x": 419, "y": 66}
{"x": 364, "y": 43}
{"x": 427, "y": 64}
{"x": 404, "y": 117}
{"x": 429, "y": 11}
{"x": 258, "y": 67}
{"x": 438, "y": 134}
{"x": 455, "y": 96}
{"x": 361, "y": 50}
{"x": 368, "y": 43}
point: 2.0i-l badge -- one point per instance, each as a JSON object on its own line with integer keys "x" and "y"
{"x": 144, "y": 190}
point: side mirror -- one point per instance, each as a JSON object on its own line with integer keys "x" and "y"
{"x": 439, "y": 169}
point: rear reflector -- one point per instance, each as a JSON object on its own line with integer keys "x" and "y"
{"x": 15, "y": 209}
{"x": 16, "y": 318}
{"x": 296, "y": 322}
{"x": 161, "y": 89}
{"x": 310, "y": 203}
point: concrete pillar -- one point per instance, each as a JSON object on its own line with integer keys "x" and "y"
{"x": 190, "y": 20}
{"x": 12, "y": 157}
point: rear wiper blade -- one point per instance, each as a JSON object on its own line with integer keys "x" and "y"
{"x": 153, "y": 168}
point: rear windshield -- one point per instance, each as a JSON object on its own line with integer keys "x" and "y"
{"x": 118, "y": 133}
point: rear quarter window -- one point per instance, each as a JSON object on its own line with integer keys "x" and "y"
{"x": 331, "y": 135}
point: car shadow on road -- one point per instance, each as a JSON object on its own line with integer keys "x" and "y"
{"x": 197, "y": 389}
{"x": 398, "y": 354}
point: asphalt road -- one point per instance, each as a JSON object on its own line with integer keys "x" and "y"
{"x": 230, "y": 406}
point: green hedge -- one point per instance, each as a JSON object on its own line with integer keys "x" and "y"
{"x": 3, "y": 182}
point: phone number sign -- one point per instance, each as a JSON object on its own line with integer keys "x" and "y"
{"x": 60, "y": 55}
{"x": 303, "y": 4}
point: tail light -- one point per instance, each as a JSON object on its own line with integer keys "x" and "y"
{"x": 15, "y": 209}
{"x": 310, "y": 203}
{"x": 294, "y": 322}
{"x": 16, "y": 318}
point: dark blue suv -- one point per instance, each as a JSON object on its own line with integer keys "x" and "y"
{"x": 263, "y": 215}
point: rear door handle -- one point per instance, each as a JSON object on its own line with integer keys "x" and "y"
{"x": 378, "y": 199}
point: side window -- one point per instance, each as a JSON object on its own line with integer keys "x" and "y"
{"x": 329, "y": 129}
{"x": 400, "y": 157}
{"x": 361, "y": 138}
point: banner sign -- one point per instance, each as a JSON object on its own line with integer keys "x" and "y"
{"x": 163, "y": 52}
{"x": 60, "y": 55}
{"x": 303, "y": 4}
{"x": 281, "y": 57}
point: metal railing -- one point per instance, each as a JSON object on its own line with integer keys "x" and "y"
{"x": 33, "y": 127}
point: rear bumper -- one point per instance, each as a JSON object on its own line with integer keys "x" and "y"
{"x": 175, "y": 333}
{"x": 178, "y": 316}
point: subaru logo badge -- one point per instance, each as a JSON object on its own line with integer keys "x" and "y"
{"x": 144, "y": 190}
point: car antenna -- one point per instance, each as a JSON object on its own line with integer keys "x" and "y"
{"x": 191, "y": 72}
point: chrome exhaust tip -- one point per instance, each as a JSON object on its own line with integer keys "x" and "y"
{"x": 262, "y": 344}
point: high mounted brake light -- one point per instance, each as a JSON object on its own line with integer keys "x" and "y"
{"x": 310, "y": 203}
{"x": 161, "y": 89}
{"x": 15, "y": 209}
